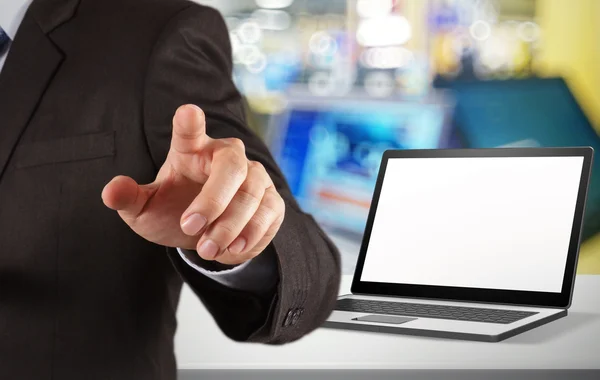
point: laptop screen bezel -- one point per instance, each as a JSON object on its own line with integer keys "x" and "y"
{"x": 463, "y": 294}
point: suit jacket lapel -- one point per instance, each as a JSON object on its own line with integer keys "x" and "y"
{"x": 32, "y": 61}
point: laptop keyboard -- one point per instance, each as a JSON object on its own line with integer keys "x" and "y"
{"x": 457, "y": 313}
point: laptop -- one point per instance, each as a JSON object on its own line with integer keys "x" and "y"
{"x": 475, "y": 244}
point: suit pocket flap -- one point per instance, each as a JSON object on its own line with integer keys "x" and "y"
{"x": 67, "y": 149}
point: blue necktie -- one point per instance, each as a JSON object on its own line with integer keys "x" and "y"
{"x": 4, "y": 40}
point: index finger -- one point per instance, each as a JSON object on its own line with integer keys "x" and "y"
{"x": 189, "y": 129}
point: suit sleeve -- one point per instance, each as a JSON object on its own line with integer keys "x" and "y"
{"x": 191, "y": 63}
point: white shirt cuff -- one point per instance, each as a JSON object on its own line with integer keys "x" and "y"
{"x": 258, "y": 275}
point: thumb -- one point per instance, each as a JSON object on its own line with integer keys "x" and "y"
{"x": 124, "y": 195}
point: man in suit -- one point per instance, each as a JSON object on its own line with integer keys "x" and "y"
{"x": 126, "y": 168}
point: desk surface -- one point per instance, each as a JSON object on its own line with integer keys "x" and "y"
{"x": 572, "y": 342}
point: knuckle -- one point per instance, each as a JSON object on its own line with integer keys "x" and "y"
{"x": 251, "y": 191}
{"x": 259, "y": 223}
{"x": 248, "y": 196}
{"x": 275, "y": 203}
{"x": 234, "y": 157}
{"x": 237, "y": 164}
{"x": 233, "y": 161}
{"x": 281, "y": 203}
{"x": 214, "y": 206}
{"x": 223, "y": 146}
{"x": 259, "y": 171}
{"x": 266, "y": 215}
{"x": 237, "y": 160}
{"x": 237, "y": 144}
{"x": 224, "y": 231}
{"x": 271, "y": 211}
{"x": 256, "y": 165}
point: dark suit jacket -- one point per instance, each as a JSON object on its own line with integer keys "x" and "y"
{"x": 88, "y": 92}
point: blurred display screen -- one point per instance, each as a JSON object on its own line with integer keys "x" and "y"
{"x": 330, "y": 151}
{"x": 528, "y": 112}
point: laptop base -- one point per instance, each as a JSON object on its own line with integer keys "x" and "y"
{"x": 397, "y": 329}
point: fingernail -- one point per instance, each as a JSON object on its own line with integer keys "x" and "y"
{"x": 193, "y": 224}
{"x": 238, "y": 245}
{"x": 208, "y": 250}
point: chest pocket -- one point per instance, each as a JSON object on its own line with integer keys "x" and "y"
{"x": 66, "y": 149}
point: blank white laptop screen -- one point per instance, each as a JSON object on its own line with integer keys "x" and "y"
{"x": 478, "y": 222}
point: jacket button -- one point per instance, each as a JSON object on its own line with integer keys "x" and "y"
{"x": 296, "y": 315}
{"x": 288, "y": 318}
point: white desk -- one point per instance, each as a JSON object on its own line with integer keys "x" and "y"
{"x": 571, "y": 343}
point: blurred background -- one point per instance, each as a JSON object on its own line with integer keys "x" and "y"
{"x": 331, "y": 84}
